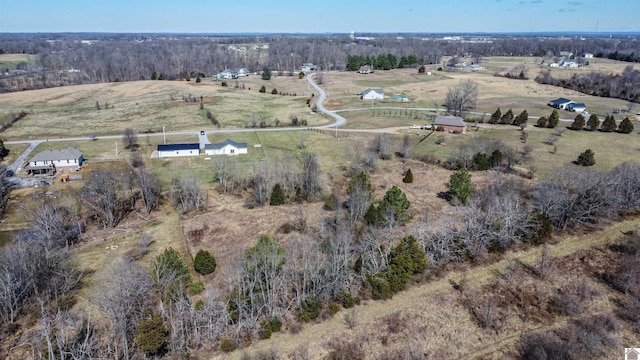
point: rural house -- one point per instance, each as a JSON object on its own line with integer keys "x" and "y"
{"x": 306, "y": 67}
{"x": 577, "y": 107}
{"x": 473, "y": 68}
{"x": 561, "y": 103}
{"x": 176, "y": 150}
{"x": 452, "y": 124}
{"x": 372, "y": 94}
{"x": 51, "y": 161}
{"x": 365, "y": 69}
{"x": 227, "y": 147}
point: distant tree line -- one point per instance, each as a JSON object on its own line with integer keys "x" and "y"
{"x": 622, "y": 86}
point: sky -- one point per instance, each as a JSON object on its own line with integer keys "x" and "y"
{"x": 324, "y": 16}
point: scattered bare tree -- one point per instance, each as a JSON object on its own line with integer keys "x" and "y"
{"x": 462, "y": 97}
{"x": 186, "y": 194}
{"x": 130, "y": 139}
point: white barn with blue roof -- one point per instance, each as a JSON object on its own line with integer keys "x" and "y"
{"x": 227, "y": 147}
{"x": 177, "y": 150}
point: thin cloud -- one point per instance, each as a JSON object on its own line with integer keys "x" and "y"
{"x": 574, "y": 3}
{"x": 536, "y": 1}
{"x": 567, "y": 10}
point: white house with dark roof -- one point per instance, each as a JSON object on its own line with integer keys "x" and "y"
{"x": 561, "y": 103}
{"x": 373, "y": 94}
{"x": 227, "y": 147}
{"x": 178, "y": 150}
{"x": 52, "y": 161}
{"x": 365, "y": 69}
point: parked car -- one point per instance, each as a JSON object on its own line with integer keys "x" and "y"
{"x": 428, "y": 126}
{"x": 414, "y": 126}
{"x": 201, "y": 132}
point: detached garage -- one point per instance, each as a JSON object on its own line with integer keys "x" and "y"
{"x": 177, "y": 150}
{"x": 227, "y": 147}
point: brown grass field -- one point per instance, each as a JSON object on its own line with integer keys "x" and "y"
{"x": 441, "y": 324}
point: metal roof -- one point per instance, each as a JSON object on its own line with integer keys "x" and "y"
{"x": 560, "y": 101}
{"x": 57, "y": 155}
{"x": 450, "y": 121}
{"x": 218, "y": 146}
{"x": 176, "y": 147}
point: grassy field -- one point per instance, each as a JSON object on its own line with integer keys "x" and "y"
{"x": 10, "y": 61}
{"x": 151, "y": 105}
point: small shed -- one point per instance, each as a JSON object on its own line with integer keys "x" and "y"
{"x": 227, "y": 147}
{"x": 178, "y": 150}
{"x": 452, "y": 124}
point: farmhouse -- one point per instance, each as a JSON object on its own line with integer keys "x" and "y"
{"x": 452, "y": 124}
{"x": 373, "y": 94}
{"x": 577, "y": 107}
{"x": 561, "y": 103}
{"x": 473, "y": 68}
{"x": 227, "y": 147}
{"x": 175, "y": 150}
{"x": 365, "y": 69}
{"x": 588, "y": 55}
{"x": 51, "y": 161}
{"x": 306, "y": 67}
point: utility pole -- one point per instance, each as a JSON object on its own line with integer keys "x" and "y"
{"x": 164, "y": 136}
{"x": 116, "y": 149}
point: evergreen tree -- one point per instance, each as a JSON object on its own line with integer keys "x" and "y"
{"x": 507, "y": 118}
{"x": 277, "y": 196}
{"x": 3, "y": 150}
{"x": 263, "y": 89}
{"x": 151, "y": 335}
{"x": 542, "y": 122}
{"x": 408, "y": 177}
{"x": 204, "y": 263}
{"x": 521, "y": 119}
{"x": 395, "y": 202}
{"x": 626, "y": 126}
{"x": 593, "y": 123}
{"x": 554, "y": 119}
{"x": 495, "y": 117}
{"x": 460, "y": 186}
{"x": 154, "y": 75}
{"x": 480, "y": 161}
{"x": 587, "y": 158}
{"x": 578, "y": 123}
{"x": 495, "y": 159}
{"x": 266, "y": 74}
{"x": 198, "y": 80}
{"x": 609, "y": 124}
{"x": 274, "y": 91}
{"x": 421, "y": 69}
{"x": 405, "y": 260}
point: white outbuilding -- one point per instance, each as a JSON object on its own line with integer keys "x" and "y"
{"x": 227, "y": 147}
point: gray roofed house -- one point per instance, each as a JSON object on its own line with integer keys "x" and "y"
{"x": 561, "y": 103}
{"x": 451, "y": 124}
{"x": 227, "y": 147}
{"x": 577, "y": 107}
{"x": 372, "y": 94}
{"x": 50, "y": 161}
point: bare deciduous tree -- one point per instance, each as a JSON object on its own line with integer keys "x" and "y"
{"x": 130, "y": 139}
{"x": 186, "y": 194}
{"x": 462, "y": 97}
{"x": 150, "y": 189}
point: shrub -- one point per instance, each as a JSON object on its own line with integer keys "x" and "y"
{"x": 263, "y": 89}
{"x": 204, "y": 263}
{"x": 275, "y": 324}
{"x": 277, "y": 195}
{"x": 309, "y": 309}
{"x": 227, "y": 345}
{"x": 346, "y": 299}
{"x": 151, "y": 335}
{"x": 408, "y": 177}
{"x": 274, "y": 91}
{"x": 587, "y": 158}
{"x": 198, "y": 80}
{"x": 197, "y": 288}
{"x": 542, "y": 122}
{"x": 265, "y": 331}
{"x": 460, "y": 186}
{"x": 300, "y": 75}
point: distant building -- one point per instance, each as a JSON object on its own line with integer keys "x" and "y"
{"x": 588, "y": 55}
{"x": 452, "y": 124}
{"x": 372, "y": 94}
{"x": 306, "y": 67}
{"x": 227, "y": 147}
{"x": 226, "y": 75}
{"x": 561, "y": 103}
{"x": 178, "y": 150}
{"x": 577, "y": 107}
{"x": 473, "y": 68}
{"x": 52, "y": 161}
{"x": 365, "y": 69}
